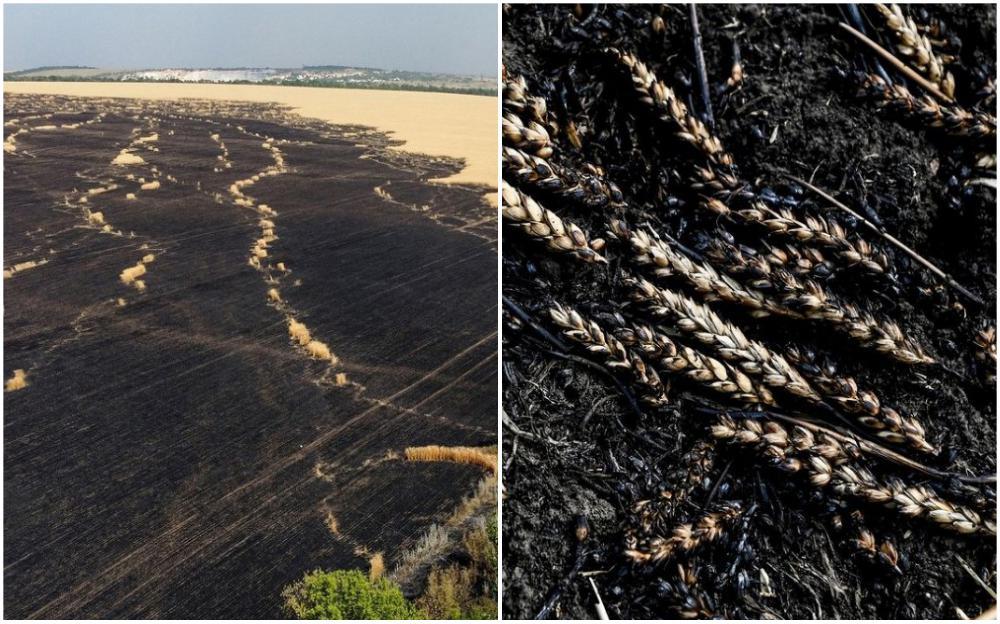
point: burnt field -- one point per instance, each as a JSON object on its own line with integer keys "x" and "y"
{"x": 229, "y": 322}
{"x": 724, "y": 395}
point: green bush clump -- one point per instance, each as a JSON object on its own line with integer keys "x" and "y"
{"x": 347, "y": 595}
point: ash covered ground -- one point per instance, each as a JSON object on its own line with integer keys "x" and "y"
{"x": 175, "y": 452}
{"x": 575, "y": 444}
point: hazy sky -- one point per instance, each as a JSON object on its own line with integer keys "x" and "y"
{"x": 460, "y": 39}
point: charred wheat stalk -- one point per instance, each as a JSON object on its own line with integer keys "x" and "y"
{"x": 684, "y": 538}
{"x": 726, "y": 339}
{"x": 672, "y": 358}
{"x": 842, "y": 391}
{"x": 829, "y": 463}
{"x": 950, "y": 119}
{"x": 531, "y": 137}
{"x": 525, "y": 214}
{"x": 719, "y": 176}
{"x": 917, "y": 48}
{"x": 612, "y": 352}
{"x": 586, "y": 189}
{"x": 808, "y": 299}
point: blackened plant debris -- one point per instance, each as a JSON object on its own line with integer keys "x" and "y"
{"x": 726, "y": 288}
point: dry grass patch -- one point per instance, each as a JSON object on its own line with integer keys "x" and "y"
{"x": 484, "y": 457}
{"x": 320, "y": 351}
{"x": 299, "y": 332}
{"x": 331, "y": 520}
{"x": 376, "y": 566}
{"x": 23, "y": 266}
{"x": 17, "y": 382}
{"x": 94, "y": 218}
{"x": 132, "y": 273}
{"x": 126, "y": 158}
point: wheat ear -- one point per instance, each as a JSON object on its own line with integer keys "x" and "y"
{"x": 666, "y": 262}
{"x": 531, "y": 137}
{"x": 886, "y": 423}
{"x": 517, "y": 99}
{"x": 672, "y": 358}
{"x": 545, "y": 226}
{"x": 806, "y": 298}
{"x": 685, "y": 537}
{"x": 727, "y": 340}
{"x": 867, "y": 546}
{"x": 651, "y": 515}
{"x": 829, "y": 463}
{"x": 671, "y": 110}
{"x": 719, "y": 177}
{"x": 612, "y": 352}
{"x": 950, "y": 119}
{"x": 986, "y": 351}
{"x": 584, "y": 189}
{"x": 917, "y": 48}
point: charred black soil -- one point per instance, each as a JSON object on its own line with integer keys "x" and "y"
{"x": 575, "y": 442}
{"x": 174, "y": 452}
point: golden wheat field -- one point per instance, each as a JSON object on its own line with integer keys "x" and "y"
{"x": 436, "y": 124}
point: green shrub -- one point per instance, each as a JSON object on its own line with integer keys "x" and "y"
{"x": 347, "y": 595}
{"x": 481, "y": 609}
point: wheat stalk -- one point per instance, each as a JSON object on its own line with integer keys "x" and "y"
{"x": 917, "y": 47}
{"x": 672, "y": 358}
{"x": 543, "y": 225}
{"x": 950, "y": 119}
{"x": 685, "y": 537}
{"x": 719, "y": 177}
{"x": 726, "y": 339}
{"x": 613, "y": 353}
{"x": 586, "y": 189}
{"x": 829, "y": 463}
